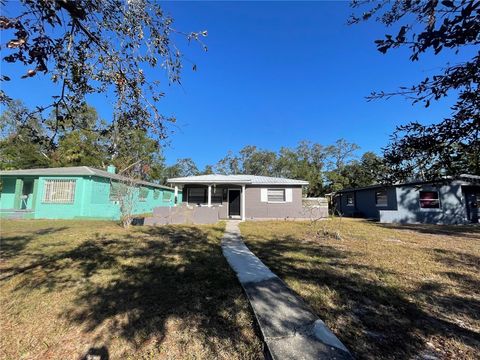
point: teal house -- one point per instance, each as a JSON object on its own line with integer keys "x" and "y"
{"x": 78, "y": 192}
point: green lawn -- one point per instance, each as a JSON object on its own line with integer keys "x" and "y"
{"x": 69, "y": 288}
{"x": 387, "y": 291}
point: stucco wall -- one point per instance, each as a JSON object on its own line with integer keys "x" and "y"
{"x": 255, "y": 208}
{"x": 452, "y": 206}
{"x": 404, "y": 205}
{"x": 91, "y": 199}
{"x": 364, "y": 203}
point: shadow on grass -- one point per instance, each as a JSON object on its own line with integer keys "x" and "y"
{"x": 465, "y": 231}
{"x": 137, "y": 283}
{"x": 13, "y": 245}
{"x": 373, "y": 319}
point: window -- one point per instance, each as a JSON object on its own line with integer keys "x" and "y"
{"x": 197, "y": 195}
{"x": 350, "y": 199}
{"x": 276, "y": 195}
{"x": 429, "y": 200}
{"x": 381, "y": 198}
{"x": 167, "y": 196}
{"x": 217, "y": 195}
{"x": 156, "y": 194}
{"x": 59, "y": 191}
{"x": 117, "y": 190}
{"x": 142, "y": 194}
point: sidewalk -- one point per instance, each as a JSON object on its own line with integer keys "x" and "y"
{"x": 289, "y": 327}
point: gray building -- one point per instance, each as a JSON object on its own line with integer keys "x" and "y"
{"x": 447, "y": 201}
{"x": 243, "y": 196}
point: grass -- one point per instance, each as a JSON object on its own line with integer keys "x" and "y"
{"x": 69, "y": 289}
{"x": 387, "y": 291}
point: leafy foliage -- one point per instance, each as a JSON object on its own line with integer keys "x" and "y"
{"x": 326, "y": 168}
{"x": 95, "y": 46}
{"x": 451, "y": 146}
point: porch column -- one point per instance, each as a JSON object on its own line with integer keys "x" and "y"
{"x": 175, "y": 194}
{"x": 209, "y": 198}
{"x": 243, "y": 203}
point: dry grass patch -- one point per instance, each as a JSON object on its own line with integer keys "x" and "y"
{"x": 70, "y": 288}
{"x": 387, "y": 291}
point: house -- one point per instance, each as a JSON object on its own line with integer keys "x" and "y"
{"x": 76, "y": 193}
{"x": 214, "y": 197}
{"x": 447, "y": 201}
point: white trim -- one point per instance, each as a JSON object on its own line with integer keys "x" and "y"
{"x": 263, "y": 195}
{"x": 243, "y": 208}
{"x": 209, "y": 196}
{"x": 288, "y": 195}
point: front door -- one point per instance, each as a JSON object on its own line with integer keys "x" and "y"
{"x": 473, "y": 205}
{"x": 233, "y": 202}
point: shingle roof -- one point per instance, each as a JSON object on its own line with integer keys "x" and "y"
{"x": 76, "y": 171}
{"x": 235, "y": 179}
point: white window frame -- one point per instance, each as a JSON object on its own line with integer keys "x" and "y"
{"x": 439, "y": 208}
{"x": 376, "y": 198}
{"x": 277, "y": 201}
{"x": 65, "y": 188}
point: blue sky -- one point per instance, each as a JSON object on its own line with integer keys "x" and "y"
{"x": 277, "y": 73}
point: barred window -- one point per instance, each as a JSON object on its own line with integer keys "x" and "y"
{"x": 276, "y": 195}
{"x": 59, "y": 191}
{"x": 117, "y": 191}
{"x": 143, "y": 194}
{"x": 167, "y": 196}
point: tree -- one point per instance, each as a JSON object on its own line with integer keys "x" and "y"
{"x": 96, "y": 46}
{"x": 17, "y": 148}
{"x": 451, "y": 146}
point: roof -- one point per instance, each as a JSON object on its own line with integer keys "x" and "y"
{"x": 473, "y": 179}
{"x": 76, "y": 171}
{"x": 236, "y": 179}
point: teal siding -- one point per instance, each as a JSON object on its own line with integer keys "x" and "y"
{"x": 7, "y": 198}
{"x": 91, "y": 200}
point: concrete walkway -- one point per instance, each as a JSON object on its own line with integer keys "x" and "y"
{"x": 289, "y": 327}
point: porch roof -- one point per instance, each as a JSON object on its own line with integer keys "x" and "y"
{"x": 235, "y": 179}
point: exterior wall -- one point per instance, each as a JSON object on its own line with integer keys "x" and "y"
{"x": 256, "y": 209}
{"x": 364, "y": 204}
{"x": 7, "y": 198}
{"x": 60, "y": 211}
{"x": 91, "y": 199}
{"x": 452, "y": 206}
{"x": 404, "y": 205}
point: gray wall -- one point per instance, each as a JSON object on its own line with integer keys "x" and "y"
{"x": 258, "y": 209}
{"x": 364, "y": 203}
{"x": 404, "y": 205}
{"x": 452, "y": 206}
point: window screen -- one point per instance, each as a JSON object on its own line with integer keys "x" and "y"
{"x": 217, "y": 195}
{"x": 276, "y": 195}
{"x": 59, "y": 191}
{"x": 197, "y": 195}
{"x": 117, "y": 190}
{"x": 381, "y": 198}
{"x": 429, "y": 200}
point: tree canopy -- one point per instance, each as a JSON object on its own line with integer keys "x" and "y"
{"x": 94, "y": 46}
{"x": 452, "y": 145}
